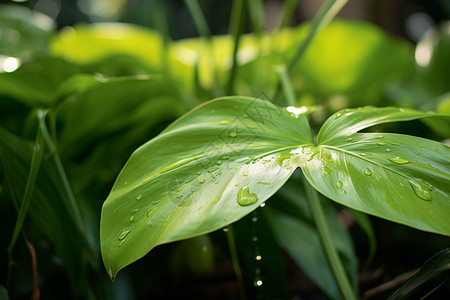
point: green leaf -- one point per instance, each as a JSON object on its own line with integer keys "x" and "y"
{"x": 208, "y": 169}
{"x": 89, "y": 43}
{"x": 397, "y": 177}
{"x": 438, "y": 265}
{"x": 36, "y": 83}
{"x": 105, "y": 108}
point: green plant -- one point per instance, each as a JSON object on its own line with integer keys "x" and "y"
{"x": 66, "y": 131}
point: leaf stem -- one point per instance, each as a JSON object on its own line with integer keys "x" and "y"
{"x": 327, "y": 242}
{"x": 286, "y": 14}
{"x": 235, "y": 261}
{"x": 236, "y": 26}
{"x": 287, "y": 86}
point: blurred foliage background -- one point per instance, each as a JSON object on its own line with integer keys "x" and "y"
{"x": 60, "y": 56}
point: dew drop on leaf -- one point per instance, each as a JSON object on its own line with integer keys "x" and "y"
{"x": 219, "y": 162}
{"x": 367, "y": 172}
{"x": 225, "y": 157}
{"x": 436, "y": 148}
{"x": 150, "y": 212}
{"x": 156, "y": 202}
{"x": 123, "y": 234}
{"x": 388, "y": 149}
{"x": 139, "y": 197}
{"x": 381, "y": 143}
{"x": 202, "y": 181}
{"x": 244, "y": 197}
{"x": 245, "y": 174}
{"x": 399, "y": 160}
{"x": 258, "y": 283}
{"x": 131, "y": 218}
{"x": 232, "y": 134}
{"x": 395, "y": 143}
{"x": 336, "y": 116}
{"x": 213, "y": 169}
{"x": 401, "y": 184}
{"x": 380, "y": 136}
{"x": 339, "y": 184}
{"x": 422, "y": 190}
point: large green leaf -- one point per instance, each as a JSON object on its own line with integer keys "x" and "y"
{"x": 397, "y": 177}
{"x": 208, "y": 169}
{"x": 218, "y": 162}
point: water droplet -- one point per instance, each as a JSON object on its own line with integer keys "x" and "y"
{"x": 399, "y": 160}
{"x": 225, "y": 229}
{"x": 150, "y": 212}
{"x": 367, "y": 172}
{"x": 156, "y": 202}
{"x": 213, "y": 169}
{"x": 380, "y": 136}
{"x": 401, "y": 184}
{"x": 395, "y": 143}
{"x": 283, "y": 156}
{"x": 245, "y": 174}
{"x": 258, "y": 257}
{"x": 262, "y": 205}
{"x": 232, "y": 134}
{"x": 348, "y": 140}
{"x": 388, "y": 149}
{"x": 381, "y": 143}
{"x": 258, "y": 282}
{"x": 139, "y": 197}
{"x": 436, "y": 148}
{"x": 366, "y": 154}
{"x": 123, "y": 234}
{"x": 125, "y": 183}
{"x": 179, "y": 196}
{"x": 244, "y": 197}
{"x": 255, "y": 219}
{"x": 219, "y": 162}
{"x": 337, "y": 115}
{"x": 263, "y": 182}
{"x": 217, "y": 182}
{"x": 255, "y": 238}
{"x": 131, "y": 218}
{"x": 237, "y": 184}
{"x": 225, "y": 157}
{"x": 202, "y": 181}
{"x": 339, "y": 184}
{"x": 198, "y": 173}
{"x": 343, "y": 192}
{"x": 421, "y": 189}
{"x": 379, "y": 177}
{"x": 135, "y": 210}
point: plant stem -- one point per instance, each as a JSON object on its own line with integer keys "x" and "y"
{"x": 199, "y": 18}
{"x": 286, "y": 14}
{"x": 256, "y": 11}
{"x": 327, "y": 242}
{"x": 287, "y": 86}
{"x": 235, "y": 261}
{"x": 236, "y": 26}
{"x": 325, "y": 14}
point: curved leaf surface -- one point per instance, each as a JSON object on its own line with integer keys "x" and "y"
{"x": 208, "y": 169}
{"x": 397, "y": 177}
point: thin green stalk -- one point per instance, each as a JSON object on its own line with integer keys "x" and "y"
{"x": 236, "y": 27}
{"x": 36, "y": 160}
{"x": 199, "y": 18}
{"x": 62, "y": 174}
{"x": 287, "y": 86}
{"x": 235, "y": 261}
{"x": 256, "y": 11}
{"x": 327, "y": 242}
{"x": 286, "y": 14}
{"x": 326, "y": 13}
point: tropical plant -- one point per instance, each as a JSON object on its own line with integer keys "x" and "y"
{"x": 85, "y": 98}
